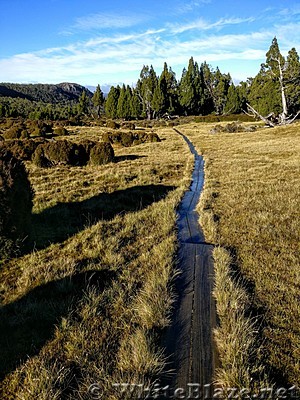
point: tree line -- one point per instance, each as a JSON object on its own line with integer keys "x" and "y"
{"x": 201, "y": 90}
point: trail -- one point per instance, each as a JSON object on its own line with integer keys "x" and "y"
{"x": 189, "y": 340}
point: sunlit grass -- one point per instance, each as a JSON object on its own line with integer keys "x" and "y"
{"x": 112, "y": 276}
{"x": 251, "y": 206}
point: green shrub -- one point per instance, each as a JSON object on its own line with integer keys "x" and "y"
{"x": 153, "y": 137}
{"x": 15, "y": 202}
{"x": 112, "y": 124}
{"x": 128, "y": 125}
{"x": 39, "y": 158}
{"x": 13, "y": 133}
{"x": 87, "y": 145}
{"x": 61, "y": 131}
{"x": 60, "y": 152}
{"x": 22, "y": 149}
{"x": 102, "y": 153}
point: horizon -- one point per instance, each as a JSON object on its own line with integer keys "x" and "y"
{"x": 56, "y": 41}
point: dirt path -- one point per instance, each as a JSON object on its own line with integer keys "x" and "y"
{"x": 189, "y": 340}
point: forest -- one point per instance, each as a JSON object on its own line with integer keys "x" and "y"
{"x": 201, "y": 90}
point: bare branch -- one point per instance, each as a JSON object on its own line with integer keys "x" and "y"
{"x": 266, "y": 121}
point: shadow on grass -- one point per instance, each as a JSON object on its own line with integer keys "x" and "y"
{"x": 130, "y": 157}
{"x": 28, "y": 323}
{"x": 56, "y": 224}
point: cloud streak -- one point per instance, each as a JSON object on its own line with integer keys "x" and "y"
{"x": 110, "y": 58}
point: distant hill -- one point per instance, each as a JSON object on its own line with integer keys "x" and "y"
{"x": 47, "y": 93}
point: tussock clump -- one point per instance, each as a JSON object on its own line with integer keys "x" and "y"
{"x": 102, "y": 153}
{"x": 128, "y": 125}
{"x": 1, "y": 138}
{"x": 113, "y": 125}
{"x": 233, "y": 128}
{"x": 61, "y": 131}
{"x": 22, "y": 149}
{"x": 128, "y": 139}
{"x": 62, "y": 152}
{"x": 15, "y": 202}
{"x": 14, "y": 132}
{"x": 39, "y": 128}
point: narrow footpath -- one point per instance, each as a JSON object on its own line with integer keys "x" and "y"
{"x": 189, "y": 340}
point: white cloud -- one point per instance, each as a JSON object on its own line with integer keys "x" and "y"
{"x": 108, "y": 21}
{"x": 121, "y": 57}
{"x": 203, "y": 25}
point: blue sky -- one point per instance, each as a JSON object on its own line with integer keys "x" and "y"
{"x": 108, "y": 42}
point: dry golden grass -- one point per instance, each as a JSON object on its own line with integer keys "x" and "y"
{"x": 251, "y": 206}
{"x": 87, "y": 304}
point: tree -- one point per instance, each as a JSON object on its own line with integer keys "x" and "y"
{"x": 233, "y": 104}
{"x": 191, "y": 89}
{"x": 123, "y": 106}
{"x": 145, "y": 87}
{"x": 135, "y": 105}
{"x": 98, "y": 100}
{"x": 84, "y": 104}
{"x": 111, "y": 104}
{"x": 278, "y": 73}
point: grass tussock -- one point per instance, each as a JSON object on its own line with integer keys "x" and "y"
{"x": 87, "y": 305}
{"x": 251, "y": 207}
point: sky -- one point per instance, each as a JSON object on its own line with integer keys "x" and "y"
{"x": 94, "y": 42}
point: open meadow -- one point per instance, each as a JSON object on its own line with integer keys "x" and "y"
{"x": 87, "y": 304}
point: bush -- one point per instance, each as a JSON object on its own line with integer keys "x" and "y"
{"x": 128, "y": 125}
{"x": 22, "y": 149}
{"x": 112, "y": 125}
{"x": 13, "y": 133}
{"x": 87, "y": 145}
{"x": 15, "y": 202}
{"x": 61, "y": 131}
{"x": 102, "y": 153}
{"x": 39, "y": 158}
{"x": 128, "y": 139}
{"x": 60, "y": 152}
{"x": 153, "y": 137}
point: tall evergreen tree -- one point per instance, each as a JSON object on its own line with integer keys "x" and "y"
{"x": 145, "y": 87}
{"x": 98, "y": 100}
{"x": 233, "y": 104}
{"x": 111, "y": 105}
{"x": 84, "y": 104}
{"x": 191, "y": 89}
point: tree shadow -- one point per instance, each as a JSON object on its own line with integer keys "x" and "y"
{"x": 56, "y": 224}
{"x": 28, "y": 323}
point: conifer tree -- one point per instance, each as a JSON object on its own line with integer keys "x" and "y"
{"x": 145, "y": 87}
{"x": 98, "y": 100}
{"x": 232, "y": 105}
{"x": 111, "y": 104}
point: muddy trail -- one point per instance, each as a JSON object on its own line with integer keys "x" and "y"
{"x": 189, "y": 340}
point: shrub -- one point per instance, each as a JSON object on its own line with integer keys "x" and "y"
{"x": 87, "y": 145}
{"x": 112, "y": 125}
{"x": 39, "y": 158}
{"x": 22, "y": 149}
{"x": 102, "y": 153}
{"x": 61, "y": 131}
{"x": 15, "y": 202}
{"x": 153, "y": 137}
{"x": 60, "y": 152}
{"x": 129, "y": 125}
{"x": 13, "y": 133}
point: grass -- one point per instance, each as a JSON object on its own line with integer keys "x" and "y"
{"x": 87, "y": 304}
{"x": 250, "y": 207}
